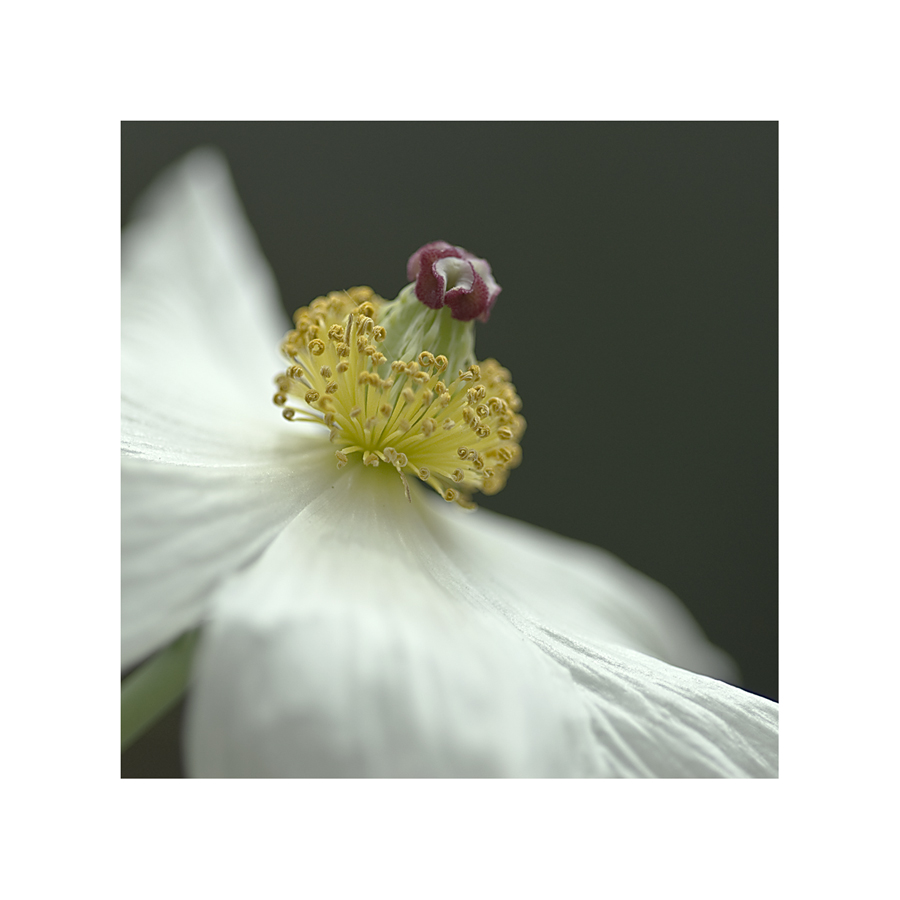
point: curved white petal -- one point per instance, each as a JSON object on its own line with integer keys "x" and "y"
{"x": 211, "y": 471}
{"x": 357, "y": 646}
{"x": 185, "y": 528}
{"x": 553, "y": 584}
{"x": 201, "y": 321}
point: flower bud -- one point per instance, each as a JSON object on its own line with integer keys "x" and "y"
{"x": 451, "y": 276}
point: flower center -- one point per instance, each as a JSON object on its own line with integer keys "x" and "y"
{"x": 457, "y": 434}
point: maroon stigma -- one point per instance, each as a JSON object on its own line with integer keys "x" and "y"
{"x": 451, "y": 276}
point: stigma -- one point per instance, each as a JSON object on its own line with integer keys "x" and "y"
{"x": 454, "y": 427}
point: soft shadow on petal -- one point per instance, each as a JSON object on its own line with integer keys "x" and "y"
{"x": 336, "y": 654}
{"x": 185, "y": 528}
{"x": 201, "y": 320}
{"x": 357, "y": 645}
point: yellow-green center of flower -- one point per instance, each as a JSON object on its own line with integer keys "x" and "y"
{"x": 457, "y": 433}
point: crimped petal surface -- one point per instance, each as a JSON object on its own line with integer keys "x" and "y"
{"x": 359, "y": 644}
{"x": 652, "y": 720}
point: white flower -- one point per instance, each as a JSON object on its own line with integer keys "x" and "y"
{"x": 346, "y": 630}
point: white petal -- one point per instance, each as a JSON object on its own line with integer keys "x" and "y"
{"x": 201, "y": 321}
{"x": 354, "y": 647}
{"x": 336, "y": 654}
{"x": 551, "y": 583}
{"x": 185, "y": 528}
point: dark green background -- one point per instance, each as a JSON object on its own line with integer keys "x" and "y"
{"x": 638, "y": 316}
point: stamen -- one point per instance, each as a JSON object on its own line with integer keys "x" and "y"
{"x": 457, "y": 435}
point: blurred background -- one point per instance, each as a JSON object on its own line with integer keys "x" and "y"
{"x": 639, "y": 266}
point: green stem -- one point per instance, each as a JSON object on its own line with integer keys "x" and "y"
{"x": 153, "y": 689}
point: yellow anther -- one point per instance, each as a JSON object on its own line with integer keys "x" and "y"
{"x": 341, "y": 458}
{"x": 279, "y": 399}
{"x": 311, "y": 396}
{"x": 408, "y": 395}
{"x": 457, "y": 475}
{"x": 356, "y": 412}
{"x": 325, "y": 372}
{"x": 441, "y": 362}
{"x": 425, "y": 358}
{"x": 331, "y": 387}
{"x": 316, "y": 347}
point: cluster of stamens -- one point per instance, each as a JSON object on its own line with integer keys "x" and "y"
{"x": 458, "y": 435}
